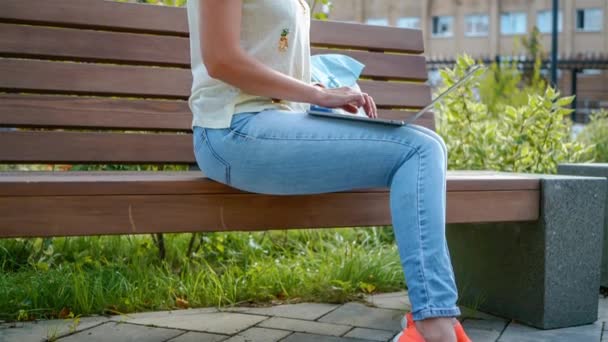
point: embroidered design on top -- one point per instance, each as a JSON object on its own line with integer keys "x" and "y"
{"x": 284, "y": 40}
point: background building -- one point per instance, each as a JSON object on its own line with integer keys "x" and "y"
{"x": 489, "y": 28}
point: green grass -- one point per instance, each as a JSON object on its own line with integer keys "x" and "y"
{"x": 48, "y": 278}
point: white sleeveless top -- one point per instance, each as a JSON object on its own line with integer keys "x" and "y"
{"x": 275, "y": 32}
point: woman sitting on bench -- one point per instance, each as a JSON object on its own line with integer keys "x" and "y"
{"x": 250, "y": 93}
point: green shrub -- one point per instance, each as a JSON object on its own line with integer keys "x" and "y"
{"x": 491, "y": 124}
{"x": 595, "y": 134}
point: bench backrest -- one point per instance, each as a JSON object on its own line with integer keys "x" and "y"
{"x": 98, "y": 81}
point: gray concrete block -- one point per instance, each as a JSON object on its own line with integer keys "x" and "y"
{"x": 521, "y": 333}
{"x": 123, "y": 332}
{"x": 468, "y": 313}
{"x": 543, "y": 273}
{"x": 363, "y": 316}
{"x": 593, "y": 170}
{"x": 309, "y": 311}
{"x": 305, "y": 326}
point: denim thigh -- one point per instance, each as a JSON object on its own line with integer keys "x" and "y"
{"x": 280, "y": 152}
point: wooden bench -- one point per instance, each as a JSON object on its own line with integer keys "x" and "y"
{"x": 99, "y": 82}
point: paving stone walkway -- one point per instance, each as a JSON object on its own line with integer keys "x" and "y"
{"x": 376, "y": 320}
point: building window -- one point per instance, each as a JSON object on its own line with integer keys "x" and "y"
{"x": 589, "y": 19}
{"x": 476, "y": 25}
{"x": 443, "y": 26}
{"x": 593, "y": 72}
{"x": 326, "y": 9}
{"x": 409, "y": 22}
{"x": 377, "y": 21}
{"x": 513, "y": 23}
{"x": 544, "y": 21}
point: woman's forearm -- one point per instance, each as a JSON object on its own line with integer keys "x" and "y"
{"x": 255, "y": 78}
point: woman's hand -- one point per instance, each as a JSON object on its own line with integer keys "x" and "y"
{"x": 348, "y": 99}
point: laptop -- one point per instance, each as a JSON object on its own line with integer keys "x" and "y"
{"x": 328, "y": 112}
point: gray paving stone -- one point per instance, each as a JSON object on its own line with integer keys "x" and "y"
{"x": 603, "y": 309}
{"x": 497, "y": 325}
{"x": 214, "y": 322}
{"x": 305, "y": 326}
{"x": 392, "y": 300}
{"x": 42, "y": 330}
{"x": 119, "y": 332}
{"x": 161, "y": 314}
{"x": 360, "y": 315}
{"x": 520, "y": 333}
{"x": 259, "y": 335}
{"x": 484, "y": 330}
{"x": 370, "y": 334}
{"x": 301, "y": 337}
{"x": 198, "y": 337}
{"x": 309, "y": 311}
{"x": 483, "y": 335}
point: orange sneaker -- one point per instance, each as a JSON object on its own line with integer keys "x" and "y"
{"x": 409, "y": 334}
{"x": 408, "y": 321}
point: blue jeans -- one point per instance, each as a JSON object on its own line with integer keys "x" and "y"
{"x": 281, "y": 153}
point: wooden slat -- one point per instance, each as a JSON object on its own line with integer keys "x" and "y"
{"x": 367, "y": 37}
{"x": 492, "y": 206}
{"x": 137, "y": 214}
{"x": 95, "y": 46}
{"x": 128, "y": 48}
{"x": 57, "y": 111}
{"x": 77, "y": 183}
{"x": 109, "y": 15}
{"x": 87, "y": 78}
{"x": 397, "y": 94}
{"x": 98, "y": 14}
{"x": 77, "y": 147}
{"x": 87, "y": 147}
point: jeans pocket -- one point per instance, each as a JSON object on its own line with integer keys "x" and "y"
{"x": 208, "y": 160}
{"x": 238, "y": 126}
{"x": 198, "y": 138}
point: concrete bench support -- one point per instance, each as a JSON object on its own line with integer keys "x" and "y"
{"x": 544, "y": 273}
{"x": 592, "y": 170}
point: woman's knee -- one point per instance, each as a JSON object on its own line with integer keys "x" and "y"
{"x": 431, "y": 147}
{"x": 433, "y": 135}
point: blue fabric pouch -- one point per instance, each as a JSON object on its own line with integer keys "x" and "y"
{"x": 334, "y": 70}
